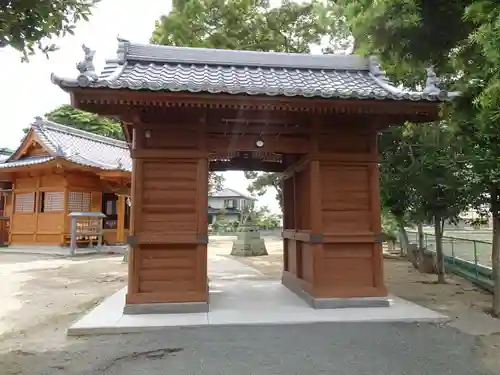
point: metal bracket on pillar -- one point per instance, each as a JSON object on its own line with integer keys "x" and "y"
{"x": 381, "y": 237}
{"x": 132, "y": 241}
{"x": 203, "y": 239}
{"x": 315, "y": 238}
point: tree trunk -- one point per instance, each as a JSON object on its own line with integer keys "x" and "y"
{"x": 495, "y": 251}
{"x": 438, "y": 233}
{"x": 420, "y": 229}
{"x": 403, "y": 236}
{"x": 421, "y": 243}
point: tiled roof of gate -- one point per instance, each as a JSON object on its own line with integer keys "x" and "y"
{"x": 169, "y": 68}
{"x": 77, "y": 146}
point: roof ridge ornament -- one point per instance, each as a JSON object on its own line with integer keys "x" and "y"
{"x": 86, "y": 67}
{"x": 121, "y": 52}
{"x": 432, "y": 82}
{"x": 376, "y": 69}
{"x": 39, "y": 121}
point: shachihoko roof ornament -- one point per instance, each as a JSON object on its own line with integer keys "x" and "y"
{"x": 203, "y": 70}
{"x": 86, "y": 67}
{"x": 432, "y": 82}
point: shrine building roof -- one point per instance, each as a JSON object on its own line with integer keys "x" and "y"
{"x": 200, "y": 70}
{"x": 74, "y": 145}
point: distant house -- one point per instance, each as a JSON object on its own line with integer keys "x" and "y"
{"x": 228, "y": 205}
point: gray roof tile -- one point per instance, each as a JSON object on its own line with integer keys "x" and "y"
{"x": 230, "y": 193}
{"x": 23, "y": 162}
{"x": 167, "y": 68}
{"x": 77, "y": 146}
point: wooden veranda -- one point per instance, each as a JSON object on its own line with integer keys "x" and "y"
{"x": 315, "y": 119}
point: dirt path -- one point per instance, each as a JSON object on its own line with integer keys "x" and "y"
{"x": 45, "y": 294}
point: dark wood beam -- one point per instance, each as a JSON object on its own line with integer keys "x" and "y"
{"x": 86, "y": 98}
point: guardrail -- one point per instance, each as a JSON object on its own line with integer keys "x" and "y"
{"x": 468, "y": 258}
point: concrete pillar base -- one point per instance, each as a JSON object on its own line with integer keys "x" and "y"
{"x": 333, "y": 303}
{"x": 166, "y": 308}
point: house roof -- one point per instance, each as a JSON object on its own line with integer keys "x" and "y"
{"x": 230, "y": 193}
{"x": 169, "y": 68}
{"x": 74, "y": 145}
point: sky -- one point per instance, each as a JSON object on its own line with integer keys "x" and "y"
{"x": 28, "y": 91}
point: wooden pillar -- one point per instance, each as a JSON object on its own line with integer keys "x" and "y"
{"x": 339, "y": 258}
{"x": 134, "y": 252}
{"x": 351, "y": 255}
{"x": 66, "y": 219}
{"x": 10, "y": 211}
{"x": 315, "y": 202}
{"x": 376, "y": 220}
{"x": 38, "y": 202}
{"x": 120, "y": 223}
{"x": 168, "y": 265}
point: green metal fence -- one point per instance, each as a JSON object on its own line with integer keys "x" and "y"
{"x": 468, "y": 258}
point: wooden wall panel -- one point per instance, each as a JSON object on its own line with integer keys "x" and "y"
{"x": 22, "y": 239}
{"x": 292, "y": 256}
{"x": 345, "y": 198}
{"x": 344, "y": 141}
{"x": 25, "y": 183}
{"x": 36, "y": 150}
{"x": 169, "y": 200}
{"x": 48, "y": 239}
{"x": 302, "y": 199}
{"x": 161, "y": 139}
{"x": 307, "y": 257}
{"x": 170, "y": 230}
{"x": 53, "y": 180}
{"x": 50, "y": 222}
{"x": 23, "y": 223}
{"x": 351, "y": 258}
{"x": 82, "y": 182}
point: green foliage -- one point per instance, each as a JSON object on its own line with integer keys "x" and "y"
{"x": 245, "y": 25}
{"x": 260, "y": 182}
{"x": 423, "y": 173}
{"x": 389, "y": 225}
{"x": 69, "y": 116}
{"x": 26, "y": 24}
{"x": 215, "y": 182}
{"x": 395, "y": 173}
{"x": 6, "y": 151}
{"x": 408, "y": 35}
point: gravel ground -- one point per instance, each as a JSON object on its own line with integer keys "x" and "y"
{"x": 44, "y": 295}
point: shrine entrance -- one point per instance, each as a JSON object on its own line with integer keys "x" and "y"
{"x": 315, "y": 119}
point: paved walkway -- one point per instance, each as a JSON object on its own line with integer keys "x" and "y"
{"x": 241, "y": 295}
{"x": 317, "y": 349}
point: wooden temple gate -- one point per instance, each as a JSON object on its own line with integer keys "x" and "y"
{"x": 325, "y": 148}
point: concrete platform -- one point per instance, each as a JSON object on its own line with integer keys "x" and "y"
{"x": 60, "y": 251}
{"x": 240, "y": 295}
